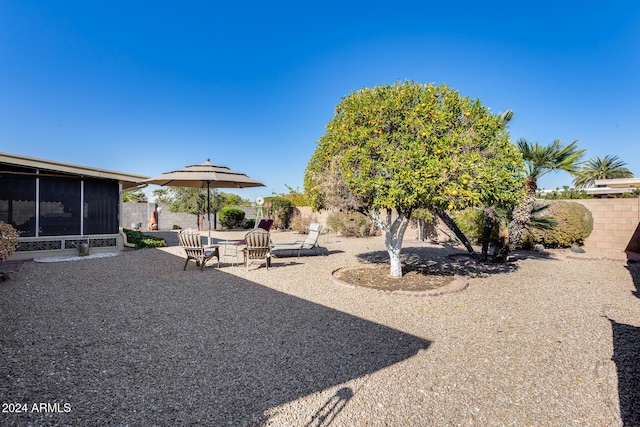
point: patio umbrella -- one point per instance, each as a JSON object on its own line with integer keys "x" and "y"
{"x": 205, "y": 175}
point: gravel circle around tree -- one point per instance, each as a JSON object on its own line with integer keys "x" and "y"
{"x": 415, "y": 281}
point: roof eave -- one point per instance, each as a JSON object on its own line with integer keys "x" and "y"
{"x": 127, "y": 179}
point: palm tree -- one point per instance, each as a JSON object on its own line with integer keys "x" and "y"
{"x": 539, "y": 161}
{"x": 609, "y": 167}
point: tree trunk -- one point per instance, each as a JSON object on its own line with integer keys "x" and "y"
{"x": 456, "y": 230}
{"x": 489, "y": 224}
{"x": 521, "y": 216}
{"x": 394, "y": 233}
{"x": 395, "y": 261}
{"x": 420, "y": 226}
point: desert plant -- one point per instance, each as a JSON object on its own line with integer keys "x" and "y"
{"x": 231, "y": 218}
{"x": 8, "y": 240}
{"x": 250, "y": 223}
{"x": 573, "y": 224}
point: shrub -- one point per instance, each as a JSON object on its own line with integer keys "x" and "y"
{"x": 279, "y": 210}
{"x": 250, "y": 223}
{"x": 8, "y": 240}
{"x": 231, "y": 218}
{"x": 350, "y": 223}
{"x": 574, "y": 225}
{"x": 143, "y": 240}
{"x": 152, "y": 242}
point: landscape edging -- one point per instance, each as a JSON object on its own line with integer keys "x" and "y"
{"x": 458, "y": 284}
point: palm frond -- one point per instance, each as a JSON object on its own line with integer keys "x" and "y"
{"x": 540, "y": 222}
{"x": 607, "y": 167}
{"x": 541, "y": 160}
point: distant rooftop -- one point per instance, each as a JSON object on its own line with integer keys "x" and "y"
{"x": 607, "y": 187}
{"x": 618, "y": 183}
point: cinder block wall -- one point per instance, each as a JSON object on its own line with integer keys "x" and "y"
{"x": 616, "y": 224}
{"x": 141, "y": 212}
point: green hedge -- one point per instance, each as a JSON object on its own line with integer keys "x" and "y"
{"x": 231, "y": 218}
{"x": 142, "y": 240}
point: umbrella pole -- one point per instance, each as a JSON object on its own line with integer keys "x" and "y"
{"x": 208, "y": 214}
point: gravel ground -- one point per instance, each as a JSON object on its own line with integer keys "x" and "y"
{"x": 135, "y": 340}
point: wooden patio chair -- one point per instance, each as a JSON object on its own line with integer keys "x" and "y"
{"x": 191, "y": 242}
{"x": 258, "y": 247}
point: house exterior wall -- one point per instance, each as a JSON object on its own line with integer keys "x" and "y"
{"x": 58, "y": 207}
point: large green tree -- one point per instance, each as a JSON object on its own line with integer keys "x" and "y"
{"x": 163, "y": 195}
{"x": 607, "y": 167}
{"x": 136, "y": 196}
{"x": 539, "y": 160}
{"x": 406, "y": 146}
{"x": 194, "y": 200}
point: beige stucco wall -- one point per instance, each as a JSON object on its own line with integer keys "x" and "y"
{"x": 319, "y": 217}
{"x": 616, "y": 224}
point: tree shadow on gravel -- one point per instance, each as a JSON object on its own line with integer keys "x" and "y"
{"x": 626, "y": 355}
{"x": 156, "y": 345}
{"x": 633, "y": 265}
{"x": 441, "y": 260}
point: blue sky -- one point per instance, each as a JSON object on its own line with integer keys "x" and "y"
{"x": 149, "y": 87}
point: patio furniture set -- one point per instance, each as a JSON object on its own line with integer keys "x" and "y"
{"x": 257, "y": 246}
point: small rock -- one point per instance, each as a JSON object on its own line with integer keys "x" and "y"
{"x": 577, "y": 249}
{"x": 539, "y": 247}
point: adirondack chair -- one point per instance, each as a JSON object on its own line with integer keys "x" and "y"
{"x": 191, "y": 242}
{"x": 258, "y": 247}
